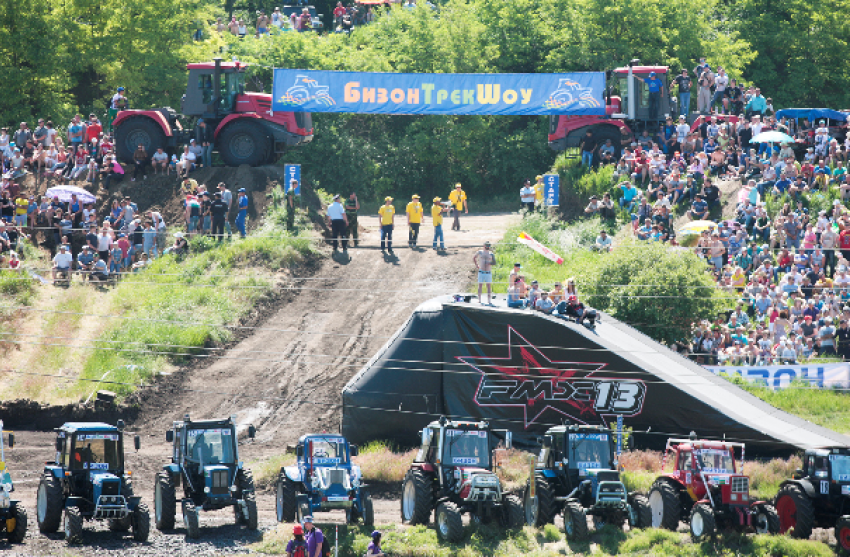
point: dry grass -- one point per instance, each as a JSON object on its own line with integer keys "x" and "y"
{"x": 379, "y": 463}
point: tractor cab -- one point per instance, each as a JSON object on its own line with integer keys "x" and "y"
{"x": 213, "y": 88}
{"x": 708, "y": 470}
{"x": 626, "y": 82}
{"x": 828, "y": 469}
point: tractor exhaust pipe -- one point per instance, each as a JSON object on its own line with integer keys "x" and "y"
{"x": 631, "y": 89}
{"x": 216, "y": 85}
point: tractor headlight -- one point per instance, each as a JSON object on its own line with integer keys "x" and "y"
{"x": 355, "y": 482}
{"x": 233, "y": 488}
{"x": 206, "y": 489}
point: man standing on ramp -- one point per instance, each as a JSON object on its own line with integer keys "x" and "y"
{"x": 352, "y": 205}
{"x": 484, "y": 260}
{"x": 414, "y": 219}
{"x": 338, "y": 222}
{"x": 458, "y": 199}
{"x": 387, "y": 212}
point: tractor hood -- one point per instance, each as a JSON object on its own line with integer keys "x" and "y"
{"x": 218, "y": 480}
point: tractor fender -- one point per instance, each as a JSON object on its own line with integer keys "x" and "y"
{"x": 55, "y": 471}
{"x": 174, "y": 470}
{"x": 293, "y": 473}
{"x": 231, "y": 117}
{"x": 548, "y": 473}
{"x": 805, "y": 485}
{"x": 133, "y": 502}
{"x": 74, "y": 501}
{"x": 154, "y": 115}
{"x": 573, "y": 137}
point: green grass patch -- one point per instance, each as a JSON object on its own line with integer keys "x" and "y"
{"x": 267, "y": 471}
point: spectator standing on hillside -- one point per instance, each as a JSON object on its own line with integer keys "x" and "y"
{"x": 119, "y": 100}
{"x": 218, "y": 210}
{"x": 458, "y": 199}
{"x": 484, "y": 260}
{"x": 437, "y": 211}
{"x": 414, "y": 220}
{"x": 683, "y": 81}
{"x": 387, "y": 213}
{"x": 721, "y": 82}
{"x": 22, "y": 135}
{"x": 588, "y": 146}
{"x": 75, "y": 133}
{"x": 305, "y": 22}
{"x": 338, "y": 222}
{"x": 526, "y": 195}
{"x": 339, "y": 11}
{"x": 295, "y": 21}
{"x": 653, "y": 87}
{"x": 204, "y": 138}
{"x": 705, "y": 80}
{"x": 262, "y": 24}
{"x": 227, "y": 197}
{"x": 242, "y": 207}
{"x": 93, "y": 131}
{"x": 140, "y": 161}
{"x": 352, "y": 205}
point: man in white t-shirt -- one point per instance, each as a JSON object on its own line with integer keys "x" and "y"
{"x": 159, "y": 160}
{"x": 119, "y": 101}
{"x": 527, "y": 194}
{"x": 721, "y": 81}
{"x": 62, "y": 263}
{"x": 682, "y": 129}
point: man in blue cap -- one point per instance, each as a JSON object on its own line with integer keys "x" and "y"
{"x": 242, "y": 205}
{"x": 653, "y": 86}
{"x": 119, "y": 101}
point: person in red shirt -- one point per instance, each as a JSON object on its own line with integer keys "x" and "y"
{"x": 93, "y": 131}
{"x": 339, "y": 11}
{"x": 844, "y": 243}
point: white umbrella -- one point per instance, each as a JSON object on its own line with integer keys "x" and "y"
{"x": 64, "y": 194}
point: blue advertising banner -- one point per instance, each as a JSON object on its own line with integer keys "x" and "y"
{"x": 825, "y": 376}
{"x": 400, "y": 93}
{"x": 293, "y": 172}
{"x": 551, "y": 189}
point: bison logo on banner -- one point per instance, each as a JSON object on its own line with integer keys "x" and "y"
{"x": 530, "y": 380}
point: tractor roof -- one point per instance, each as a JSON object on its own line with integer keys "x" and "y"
{"x": 201, "y": 424}
{"x": 335, "y": 436}
{"x": 577, "y": 428}
{"x": 239, "y": 66}
{"x": 643, "y": 69}
{"x": 454, "y": 424}
{"x": 71, "y": 427}
{"x": 824, "y": 451}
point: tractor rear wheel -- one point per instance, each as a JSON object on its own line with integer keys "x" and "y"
{"x": 243, "y": 142}
{"x": 449, "y": 523}
{"x": 18, "y": 534}
{"x": 541, "y": 510}
{"x": 766, "y": 520}
{"x": 191, "y": 520}
{"x": 164, "y": 502}
{"x": 703, "y": 526}
{"x": 251, "y": 506}
{"x": 141, "y": 520}
{"x": 640, "y": 513}
{"x": 795, "y": 511}
{"x": 604, "y": 133}
{"x": 842, "y": 534}
{"x": 416, "y": 498}
{"x": 139, "y": 130}
{"x": 49, "y": 504}
{"x": 665, "y": 505}
{"x": 512, "y": 515}
{"x": 368, "y": 510}
{"x": 73, "y": 525}
{"x": 575, "y": 521}
{"x": 285, "y": 499}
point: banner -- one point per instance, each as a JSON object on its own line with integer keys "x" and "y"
{"x": 825, "y": 376}
{"x": 524, "y": 238}
{"x": 400, "y": 93}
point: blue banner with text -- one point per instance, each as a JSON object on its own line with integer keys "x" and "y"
{"x": 403, "y": 93}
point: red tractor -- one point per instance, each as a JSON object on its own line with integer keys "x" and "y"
{"x": 625, "y": 116}
{"x": 247, "y": 130}
{"x": 707, "y": 486}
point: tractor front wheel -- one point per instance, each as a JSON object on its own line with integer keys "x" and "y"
{"x": 449, "y": 523}
{"x": 842, "y": 534}
{"x": 243, "y": 142}
{"x": 703, "y": 525}
{"x": 49, "y": 504}
{"x": 139, "y": 130}
{"x": 512, "y": 515}
{"x": 665, "y": 505}
{"x": 164, "y": 502}
{"x": 575, "y": 521}
{"x": 19, "y": 532}
{"x": 141, "y": 521}
{"x": 640, "y": 513}
{"x": 251, "y": 506}
{"x": 795, "y": 511}
{"x": 73, "y": 525}
{"x": 416, "y": 498}
{"x": 191, "y": 521}
{"x": 766, "y": 520}
{"x": 285, "y": 499}
{"x": 541, "y": 509}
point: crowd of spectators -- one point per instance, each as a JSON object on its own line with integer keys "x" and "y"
{"x": 300, "y": 18}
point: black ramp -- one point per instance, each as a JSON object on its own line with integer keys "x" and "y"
{"x": 526, "y": 372}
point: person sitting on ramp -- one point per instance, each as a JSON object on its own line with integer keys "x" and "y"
{"x": 571, "y": 308}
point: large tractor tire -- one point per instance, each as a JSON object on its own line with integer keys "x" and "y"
{"x": 602, "y": 133}
{"x": 244, "y": 142}
{"x": 842, "y": 534}
{"x": 286, "y": 499}
{"x": 19, "y": 532}
{"x": 795, "y": 511}
{"x": 141, "y": 522}
{"x": 766, "y": 520}
{"x": 449, "y": 523}
{"x": 49, "y": 504}
{"x": 542, "y": 509}
{"x": 73, "y": 526}
{"x": 703, "y": 525}
{"x": 251, "y": 506}
{"x": 665, "y": 505}
{"x": 164, "y": 502}
{"x": 513, "y": 515}
{"x": 416, "y": 498}
{"x": 575, "y": 521}
{"x": 138, "y": 130}
{"x": 191, "y": 520}
{"x": 640, "y": 513}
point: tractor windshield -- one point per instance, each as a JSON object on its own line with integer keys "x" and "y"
{"x": 840, "y": 467}
{"x": 716, "y": 461}
{"x": 590, "y": 450}
{"x": 327, "y": 450}
{"x": 467, "y": 448}
{"x": 97, "y": 451}
{"x": 210, "y": 446}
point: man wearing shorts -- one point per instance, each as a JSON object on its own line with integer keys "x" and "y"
{"x": 484, "y": 260}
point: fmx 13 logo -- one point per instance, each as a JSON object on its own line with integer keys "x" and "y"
{"x": 530, "y": 380}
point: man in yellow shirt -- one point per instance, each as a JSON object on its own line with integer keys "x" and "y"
{"x": 437, "y": 211}
{"x": 458, "y": 199}
{"x": 21, "y": 205}
{"x": 387, "y": 213}
{"x": 414, "y": 219}
{"x": 538, "y": 192}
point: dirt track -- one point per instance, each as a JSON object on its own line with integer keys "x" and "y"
{"x": 285, "y": 377}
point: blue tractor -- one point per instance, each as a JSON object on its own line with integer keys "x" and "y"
{"x": 576, "y": 473}
{"x": 88, "y": 481}
{"x": 205, "y": 461}
{"x": 323, "y": 479}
